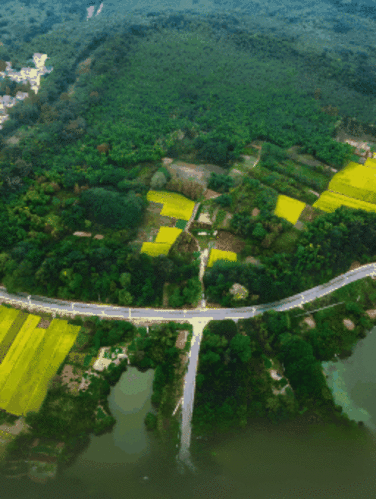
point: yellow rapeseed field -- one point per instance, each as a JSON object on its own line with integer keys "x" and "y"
{"x": 221, "y": 255}
{"x": 32, "y": 360}
{"x": 17, "y": 359}
{"x": 59, "y": 340}
{"x": 7, "y": 317}
{"x": 289, "y": 208}
{"x": 355, "y": 181}
{"x": 174, "y": 205}
{"x": 370, "y": 162}
{"x": 155, "y": 249}
{"x": 330, "y": 201}
{"x": 167, "y": 235}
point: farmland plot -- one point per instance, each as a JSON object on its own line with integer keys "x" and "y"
{"x": 174, "y": 205}
{"x": 54, "y": 350}
{"x": 7, "y": 334}
{"x": 221, "y": 255}
{"x": 330, "y": 201}
{"x": 289, "y": 208}
{"x": 355, "y": 181}
{"x": 31, "y": 362}
{"x": 17, "y": 359}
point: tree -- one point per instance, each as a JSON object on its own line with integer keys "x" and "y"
{"x": 225, "y": 328}
{"x": 259, "y": 232}
{"x": 240, "y": 347}
{"x": 302, "y": 369}
{"x": 192, "y": 290}
{"x": 111, "y": 208}
{"x": 176, "y": 299}
{"x": 158, "y": 181}
{"x": 150, "y": 421}
{"x": 225, "y": 200}
{"x": 125, "y": 298}
{"x": 219, "y": 182}
{"x": 210, "y": 358}
{"x": 323, "y": 341}
{"x": 125, "y": 279}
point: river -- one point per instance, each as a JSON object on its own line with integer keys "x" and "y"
{"x": 291, "y": 460}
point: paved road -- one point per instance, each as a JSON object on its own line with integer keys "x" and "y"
{"x": 198, "y": 317}
{"x": 193, "y": 315}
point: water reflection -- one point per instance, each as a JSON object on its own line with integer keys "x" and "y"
{"x": 353, "y": 382}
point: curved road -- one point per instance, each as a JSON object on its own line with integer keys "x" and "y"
{"x": 198, "y": 317}
{"x": 199, "y": 314}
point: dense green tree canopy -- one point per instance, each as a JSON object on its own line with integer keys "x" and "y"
{"x": 111, "y": 209}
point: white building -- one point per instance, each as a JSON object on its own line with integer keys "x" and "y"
{"x": 26, "y": 74}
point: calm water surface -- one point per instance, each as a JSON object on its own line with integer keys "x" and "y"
{"x": 265, "y": 461}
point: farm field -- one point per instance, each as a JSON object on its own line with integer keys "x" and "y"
{"x": 7, "y": 334}
{"x": 355, "y": 181}
{"x": 33, "y": 358}
{"x": 58, "y": 343}
{"x": 216, "y": 254}
{"x": 289, "y": 208}
{"x": 330, "y": 201}
{"x": 174, "y": 205}
{"x": 163, "y": 242}
{"x": 300, "y": 171}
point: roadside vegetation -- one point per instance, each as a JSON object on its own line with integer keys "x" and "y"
{"x": 233, "y": 383}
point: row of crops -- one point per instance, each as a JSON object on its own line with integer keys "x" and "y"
{"x": 354, "y": 186}
{"x": 30, "y": 357}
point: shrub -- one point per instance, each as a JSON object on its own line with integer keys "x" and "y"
{"x": 225, "y": 200}
{"x": 158, "y": 181}
{"x": 259, "y": 232}
{"x": 150, "y": 421}
{"x": 220, "y": 183}
{"x": 165, "y": 172}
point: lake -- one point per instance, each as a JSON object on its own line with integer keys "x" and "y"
{"x": 290, "y": 460}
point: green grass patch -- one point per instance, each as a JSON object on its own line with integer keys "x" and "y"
{"x": 250, "y": 151}
{"x": 81, "y": 340}
{"x": 292, "y": 169}
{"x": 219, "y": 218}
{"x": 181, "y": 224}
{"x": 87, "y": 360}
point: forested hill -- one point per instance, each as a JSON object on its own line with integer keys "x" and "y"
{"x": 134, "y": 91}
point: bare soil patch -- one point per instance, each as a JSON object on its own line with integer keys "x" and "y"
{"x": 181, "y": 339}
{"x": 226, "y": 241}
{"x": 44, "y": 323}
{"x": 209, "y": 194}
{"x": 198, "y": 172}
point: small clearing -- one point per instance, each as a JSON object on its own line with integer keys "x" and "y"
{"x": 226, "y": 241}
